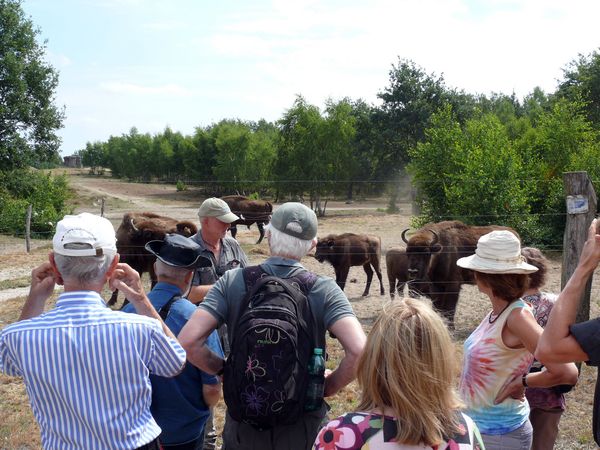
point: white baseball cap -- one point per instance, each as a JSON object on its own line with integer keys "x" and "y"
{"x": 84, "y": 235}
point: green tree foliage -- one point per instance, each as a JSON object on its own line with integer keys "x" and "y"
{"x": 582, "y": 83}
{"x": 470, "y": 173}
{"x": 482, "y": 172}
{"x": 315, "y": 150}
{"x": 46, "y": 193}
{"x": 408, "y": 103}
{"x": 94, "y": 156}
{"x": 28, "y": 117}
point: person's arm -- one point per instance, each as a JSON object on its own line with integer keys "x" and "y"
{"x": 557, "y": 344}
{"x": 211, "y": 393}
{"x": 352, "y": 337}
{"x": 193, "y": 337}
{"x": 127, "y": 280}
{"x": 43, "y": 280}
{"x": 197, "y": 293}
{"x": 522, "y": 325}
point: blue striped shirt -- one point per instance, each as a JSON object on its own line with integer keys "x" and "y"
{"x": 86, "y": 369}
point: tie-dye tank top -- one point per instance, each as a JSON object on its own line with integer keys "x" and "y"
{"x": 488, "y": 366}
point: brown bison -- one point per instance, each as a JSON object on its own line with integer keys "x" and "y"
{"x": 349, "y": 249}
{"x": 135, "y": 230}
{"x": 249, "y": 212}
{"x": 432, "y": 252}
{"x": 396, "y": 263}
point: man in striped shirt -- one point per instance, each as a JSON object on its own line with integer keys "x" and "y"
{"x": 85, "y": 367}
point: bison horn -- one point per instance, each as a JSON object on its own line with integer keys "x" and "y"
{"x": 436, "y": 238}
{"x": 133, "y": 225}
{"x": 404, "y": 235}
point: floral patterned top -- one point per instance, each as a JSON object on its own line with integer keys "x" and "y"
{"x": 542, "y": 304}
{"x": 370, "y": 431}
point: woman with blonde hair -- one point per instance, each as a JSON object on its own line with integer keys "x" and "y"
{"x": 499, "y": 352}
{"x": 407, "y": 374}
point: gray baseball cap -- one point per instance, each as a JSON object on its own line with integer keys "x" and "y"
{"x": 295, "y": 219}
{"x": 215, "y": 207}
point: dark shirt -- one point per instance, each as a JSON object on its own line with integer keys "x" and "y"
{"x": 177, "y": 403}
{"x": 587, "y": 335}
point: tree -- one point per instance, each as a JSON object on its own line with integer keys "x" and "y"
{"x": 408, "y": 103}
{"x": 315, "y": 150}
{"x": 28, "y": 116}
{"x": 94, "y": 156}
{"x": 470, "y": 173}
{"x": 582, "y": 83}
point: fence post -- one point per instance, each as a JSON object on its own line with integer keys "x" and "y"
{"x": 581, "y": 209}
{"x": 102, "y": 208}
{"x": 28, "y": 229}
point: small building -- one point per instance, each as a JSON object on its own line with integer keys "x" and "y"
{"x": 72, "y": 161}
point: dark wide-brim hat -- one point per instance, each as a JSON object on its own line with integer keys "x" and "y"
{"x": 178, "y": 251}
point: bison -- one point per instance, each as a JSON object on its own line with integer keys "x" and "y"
{"x": 396, "y": 263}
{"x": 249, "y": 211}
{"x": 432, "y": 252}
{"x": 135, "y": 230}
{"x": 349, "y": 249}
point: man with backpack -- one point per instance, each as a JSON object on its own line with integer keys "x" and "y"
{"x": 277, "y": 314}
{"x": 180, "y": 405}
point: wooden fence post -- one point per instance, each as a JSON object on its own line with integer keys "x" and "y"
{"x": 28, "y": 229}
{"x": 581, "y": 210}
{"x": 102, "y": 208}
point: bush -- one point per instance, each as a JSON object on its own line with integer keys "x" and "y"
{"x": 46, "y": 193}
{"x": 181, "y": 186}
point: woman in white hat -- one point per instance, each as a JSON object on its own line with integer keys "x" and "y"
{"x": 497, "y": 355}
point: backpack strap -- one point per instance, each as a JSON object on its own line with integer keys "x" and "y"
{"x": 163, "y": 312}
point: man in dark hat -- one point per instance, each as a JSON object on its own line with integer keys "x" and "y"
{"x": 180, "y": 405}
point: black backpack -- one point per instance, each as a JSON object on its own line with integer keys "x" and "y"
{"x": 266, "y": 374}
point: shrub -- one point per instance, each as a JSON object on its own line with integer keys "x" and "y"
{"x": 46, "y": 193}
{"x": 181, "y": 186}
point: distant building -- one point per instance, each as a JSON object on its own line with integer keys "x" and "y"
{"x": 73, "y": 161}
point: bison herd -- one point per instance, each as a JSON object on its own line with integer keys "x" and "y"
{"x": 426, "y": 266}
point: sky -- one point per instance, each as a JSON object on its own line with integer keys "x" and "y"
{"x": 189, "y": 63}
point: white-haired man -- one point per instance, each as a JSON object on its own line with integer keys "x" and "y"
{"x": 291, "y": 235}
{"x": 85, "y": 366}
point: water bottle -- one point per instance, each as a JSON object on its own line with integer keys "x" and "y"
{"x": 316, "y": 381}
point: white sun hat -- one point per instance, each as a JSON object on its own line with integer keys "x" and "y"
{"x": 497, "y": 252}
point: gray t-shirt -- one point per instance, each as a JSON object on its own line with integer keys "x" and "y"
{"x": 232, "y": 256}
{"x": 327, "y": 301}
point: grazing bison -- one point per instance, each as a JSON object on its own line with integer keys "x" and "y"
{"x": 349, "y": 249}
{"x": 249, "y": 212}
{"x": 135, "y": 230}
{"x": 432, "y": 252}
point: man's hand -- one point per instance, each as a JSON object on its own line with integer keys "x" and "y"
{"x": 128, "y": 281}
{"x": 43, "y": 280}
